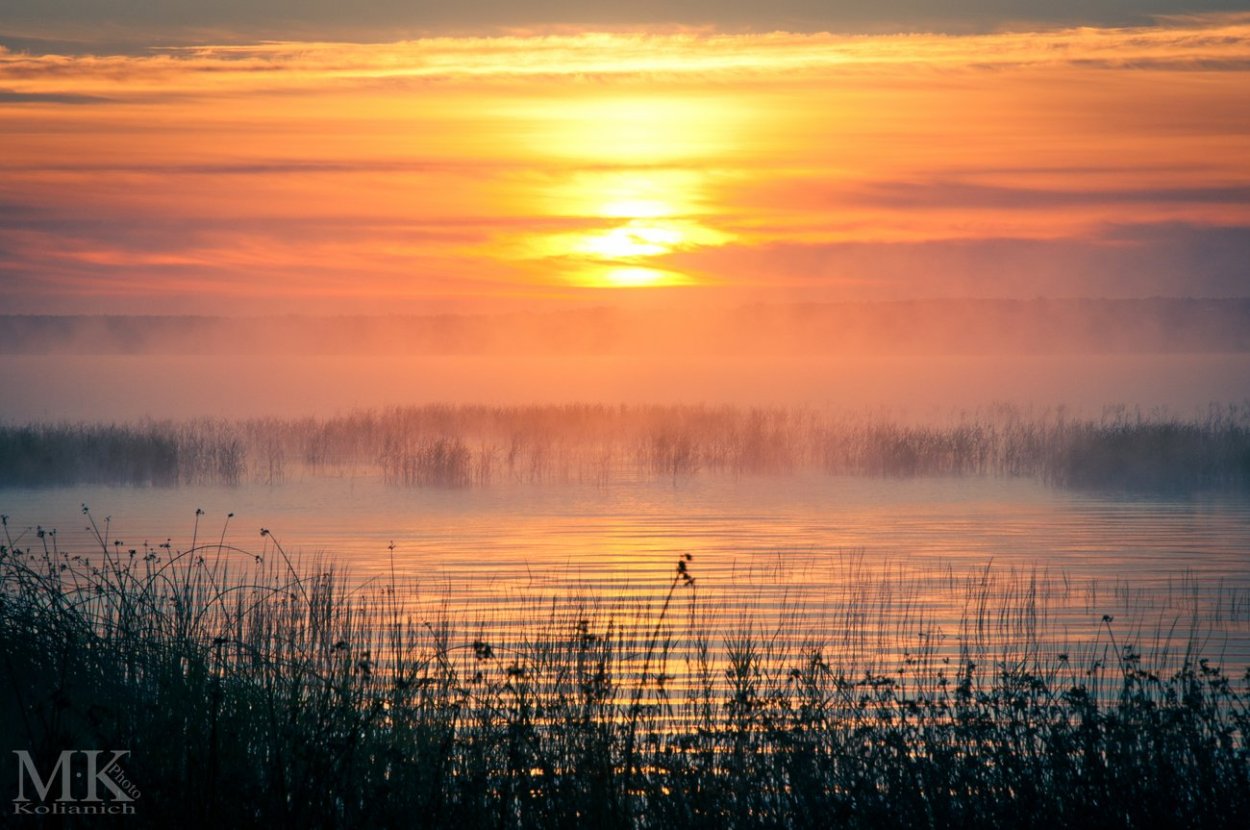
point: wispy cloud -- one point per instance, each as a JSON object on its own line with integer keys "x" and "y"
{"x": 1204, "y": 43}
{"x": 527, "y": 166}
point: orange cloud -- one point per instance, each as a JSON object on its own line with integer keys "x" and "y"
{"x": 474, "y": 169}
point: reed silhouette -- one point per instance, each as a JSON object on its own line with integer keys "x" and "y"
{"x": 253, "y": 689}
{"x": 466, "y": 446}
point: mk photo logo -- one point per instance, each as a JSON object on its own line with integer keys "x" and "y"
{"x": 87, "y": 787}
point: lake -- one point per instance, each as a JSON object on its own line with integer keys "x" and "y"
{"x": 800, "y": 551}
{"x": 791, "y": 554}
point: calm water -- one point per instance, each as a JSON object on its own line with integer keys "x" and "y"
{"x": 800, "y": 552}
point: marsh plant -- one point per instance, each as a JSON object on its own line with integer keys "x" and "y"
{"x": 253, "y": 689}
{"x": 465, "y": 446}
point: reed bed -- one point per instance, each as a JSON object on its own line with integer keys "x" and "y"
{"x": 466, "y": 446}
{"x": 253, "y": 689}
{"x": 41, "y": 455}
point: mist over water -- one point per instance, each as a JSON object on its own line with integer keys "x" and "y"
{"x": 919, "y": 360}
{"x": 761, "y": 540}
{"x": 132, "y": 387}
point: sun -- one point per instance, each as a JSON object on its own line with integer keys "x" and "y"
{"x": 626, "y": 215}
{"x": 637, "y": 277}
{"x": 634, "y": 227}
{"x": 636, "y": 238}
{"x": 631, "y": 253}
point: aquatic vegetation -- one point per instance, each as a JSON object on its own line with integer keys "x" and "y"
{"x": 253, "y": 688}
{"x": 462, "y": 446}
{"x": 96, "y": 454}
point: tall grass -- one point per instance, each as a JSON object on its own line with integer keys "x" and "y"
{"x": 462, "y": 446}
{"x": 255, "y": 689}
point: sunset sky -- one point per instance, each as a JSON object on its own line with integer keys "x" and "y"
{"x": 235, "y": 158}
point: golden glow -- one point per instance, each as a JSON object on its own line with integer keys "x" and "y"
{"x": 632, "y": 217}
{"x": 641, "y": 208}
{"x": 657, "y": 129}
{"x": 637, "y": 277}
{"x": 630, "y": 245}
{"x": 478, "y": 168}
{"x": 634, "y": 239}
{"x": 651, "y": 208}
{"x": 624, "y": 193}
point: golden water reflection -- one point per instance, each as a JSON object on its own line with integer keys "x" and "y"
{"x": 872, "y": 573}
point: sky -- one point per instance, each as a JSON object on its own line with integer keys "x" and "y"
{"x": 138, "y": 23}
{"x": 243, "y": 158}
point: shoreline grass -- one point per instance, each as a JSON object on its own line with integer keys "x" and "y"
{"x": 254, "y": 690}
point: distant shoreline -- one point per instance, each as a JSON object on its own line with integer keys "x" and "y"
{"x": 926, "y": 327}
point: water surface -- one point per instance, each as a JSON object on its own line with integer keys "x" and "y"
{"x": 796, "y": 551}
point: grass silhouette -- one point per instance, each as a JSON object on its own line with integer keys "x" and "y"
{"x": 256, "y": 690}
